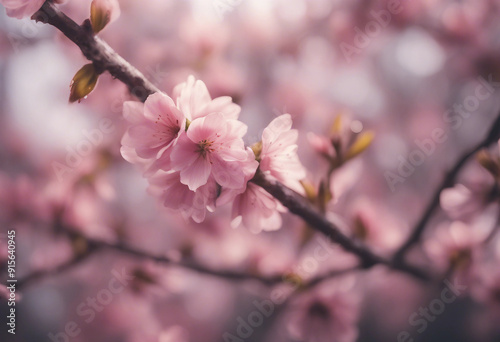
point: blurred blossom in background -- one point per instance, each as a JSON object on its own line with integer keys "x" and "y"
{"x": 422, "y": 76}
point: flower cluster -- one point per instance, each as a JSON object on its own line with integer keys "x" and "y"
{"x": 191, "y": 149}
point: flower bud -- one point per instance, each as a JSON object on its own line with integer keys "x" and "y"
{"x": 83, "y": 82}
{"x": 103, "y": 12}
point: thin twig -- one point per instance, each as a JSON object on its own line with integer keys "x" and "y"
{"x": 226, "y": 274}
{"x": 448, "y": 181}
{"x": 40, "y": 274}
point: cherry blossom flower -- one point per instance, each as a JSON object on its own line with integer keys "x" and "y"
{"x": 212, "y": 146}
{"x": 253, "y": 207}
{"x": 278, "y": 157}
{"x": 465, "y": 200}
{"x": 194, "y": 148}
{"x": 454, "y": 244}
{"x": 189, "y": 148}
{"x": 21, "y": 8}
{"x": 321, "y": 145}
{"x": 460, "y": 201}
{"x": 155, "y": 127}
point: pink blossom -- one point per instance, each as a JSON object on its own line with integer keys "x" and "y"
{"x": 278, "y": 158}
{"x": 322, "y": 145}
{"x": 189, "y": 149}
{"x": 155, "y": 127}
{"x": 454, "y": 244}
{"x": 194, "y": 101}
{"x": 212, "y": 146}
{"x": 21, "y": 8}
{"x": 253, "y": 207}
{"x": 463, "y": 202}
{"x": 458, "y": 200}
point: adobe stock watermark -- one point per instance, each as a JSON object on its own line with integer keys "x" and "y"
{"x": 222, "y": 7}
{"x": 425, "y": 315}
{"x": 83, "y": 148}
{"x": 88, "y": 309}
{"x": 381, "y": 19}
{"x": 455, "y": 116}
{"x": 265, "y": 308}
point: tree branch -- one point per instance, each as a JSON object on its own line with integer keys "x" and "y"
{"x": 40, "y": 274}
{"x": 96, "y": 50}
{"x": 226, "y": 274}
{"x": 448, "y": 181}
{"x": 94, "y": 245}
{"x": 105, "y": 58}
{"x": 299, "y": 206}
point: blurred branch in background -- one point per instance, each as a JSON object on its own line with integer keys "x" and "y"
{"x": 84, "y": 247}
{"x": 448, "y": 181}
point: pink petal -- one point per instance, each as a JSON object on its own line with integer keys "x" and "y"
{"x": 191, "y": 97}
{"x": 228, "y": 174}
{"x": 210, "y": 127}
{"x": 223, "y": 105}
{"x": 196, "y": 174}
{"x": 161, "y": 108}
{"x": 184, "y": 153}
{"x": 281, "y": 124}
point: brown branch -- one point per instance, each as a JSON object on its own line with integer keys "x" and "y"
{"x": 226, "y": 274}
{"x": 94, "y": 245}
{"x": 96, "y": 50}
{"x": 105, "y": 58}
{"x": 448, "y": 181}
{"x": 299, "y": 206}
